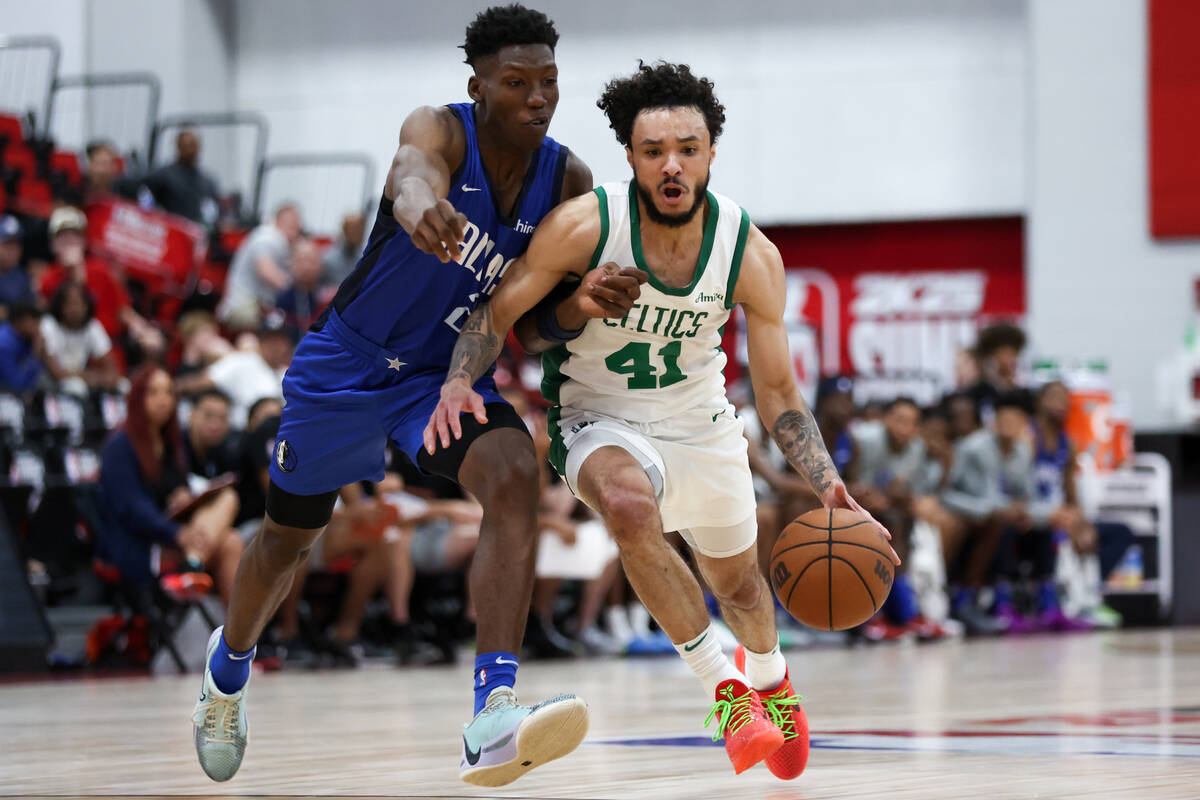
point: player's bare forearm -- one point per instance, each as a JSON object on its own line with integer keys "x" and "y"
{"x": 477, "y": 347}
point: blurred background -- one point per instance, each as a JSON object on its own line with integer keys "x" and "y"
{"x": 930, "y": 169}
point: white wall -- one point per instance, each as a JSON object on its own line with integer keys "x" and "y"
{"x": 860, "y": 109}
{"x": 186, "y": 43}
{"x": 1097, "y": 283}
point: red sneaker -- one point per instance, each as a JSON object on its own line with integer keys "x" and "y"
{"x": 878, "y": 629}
{"x": 782, "y": 705}
{"x": 186, "y": 587}
{"x": 749, "y": 735}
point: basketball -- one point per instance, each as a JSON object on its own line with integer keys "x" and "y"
{"x": 831, "y": 569}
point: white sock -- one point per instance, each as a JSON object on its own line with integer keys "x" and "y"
{"x": 765, "y": 670}
{"x": 639, "y": 619}
{"x": 618, "y": 623}
{"x": 706, "y": 658}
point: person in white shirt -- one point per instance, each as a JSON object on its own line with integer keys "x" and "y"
{"x": 261, "y": 268}
{"x": 80, "y": 349}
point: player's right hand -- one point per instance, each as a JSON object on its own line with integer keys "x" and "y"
{"x": 610, "y": 291}
{"x": 440, "y": 231}
{"x": 457, "y": 398}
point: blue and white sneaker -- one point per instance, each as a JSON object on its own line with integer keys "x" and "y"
{"x": 219, "y": 725}
{"x": 506, "y": 740}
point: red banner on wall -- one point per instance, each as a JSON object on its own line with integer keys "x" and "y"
{"x": 893, "y": 303}
{"x": 1173, "y": 28}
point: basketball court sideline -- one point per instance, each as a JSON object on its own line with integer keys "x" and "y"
{"x": 1092, "y": 715}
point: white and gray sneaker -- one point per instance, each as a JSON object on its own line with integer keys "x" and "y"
{"x": 506, "y": 740}
{"x": 219, "y": 725}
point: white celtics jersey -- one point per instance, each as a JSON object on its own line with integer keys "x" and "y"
{"x": 664, "y": 356}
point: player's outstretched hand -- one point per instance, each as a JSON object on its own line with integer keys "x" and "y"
{"x": 440, "y": 231}
{"x": 610, "y": 291}
{"x": 838, "y": 497}
{"x": 457, "y": 398}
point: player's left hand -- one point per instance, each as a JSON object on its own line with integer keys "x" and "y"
{"x": 458, "y": 397}
{"x": 838, "y": 497}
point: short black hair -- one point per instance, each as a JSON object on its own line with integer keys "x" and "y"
{"x": 95, "y": 145}
{"x": 20, "y": 311}
{"x": 257, "y": 404}
{"x": 60, "y": 299}
{"x": 501, "y": 26}
{"x": 212, "y": 392}
{"x": 661, "y": 85}
{"x": 902, "y": 400}
{"x": 1015, "y": 398}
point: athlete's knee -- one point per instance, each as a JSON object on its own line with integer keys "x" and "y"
{"x": 739, "y": 590}
{"x": 281, "y": 548}
{"x": 630, "y": 512}
{"x": 507, "y": 478}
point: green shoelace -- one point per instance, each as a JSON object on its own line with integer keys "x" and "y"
{"x": 777, "y": 708}
{"x": 733, "y": 713}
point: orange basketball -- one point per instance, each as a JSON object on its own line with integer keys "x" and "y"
{"x": 831, "y": 569}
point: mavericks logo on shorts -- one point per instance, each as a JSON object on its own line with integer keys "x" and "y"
{"x": 285, "y": 456}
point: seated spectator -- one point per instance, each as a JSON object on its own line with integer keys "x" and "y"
{"x": 15, "y": 285}
{"x": 112, "y": 304}
{"x": 253, "y": 370}
{"x": 894, "y": 470}
{"x": 103, "y": 176}
{"x": 255, "y": 452}
{"x": 303, "y": 301}
{"x": 260, "y": 269}
{"x": 201, "y": 344}
{"x": 1085, "y": 552}
{"x": 341, "y": 258}
{"x": 22, "y": 352}
{"x": 143, "y": 482}
{"x": 81, "y": 350}
{"x": 990, "y": 487}
{"x": 207, "y": 442}
{"x": 182, "y": 187}
{"x": 998, "y": 350}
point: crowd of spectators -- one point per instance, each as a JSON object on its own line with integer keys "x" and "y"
{"x": 978, "y": 489}
{"x": 979, "y": 492}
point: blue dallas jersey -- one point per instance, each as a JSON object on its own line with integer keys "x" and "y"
{"x": 406, "y": 301}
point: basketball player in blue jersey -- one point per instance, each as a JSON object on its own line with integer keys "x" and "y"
{"x": 468, "y": 185}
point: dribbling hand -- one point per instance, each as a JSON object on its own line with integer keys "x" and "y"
{"x": 457, "y": 398}
{"x": 838, "y": 497}
{"x": 440, "y": 231}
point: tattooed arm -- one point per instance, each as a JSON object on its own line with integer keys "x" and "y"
{"x": 762, "y": 292}
{"x": 562, "y": 244}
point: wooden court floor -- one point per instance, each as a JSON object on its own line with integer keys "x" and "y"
{"x": 1089, "y": 715}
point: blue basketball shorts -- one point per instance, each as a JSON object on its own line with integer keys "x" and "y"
{"x": 344, "y": 397}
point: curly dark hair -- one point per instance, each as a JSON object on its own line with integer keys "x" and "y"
{"x": 662, "y": 85}
{"x": 500, "y": 26}
{"x": 998, "y": 335}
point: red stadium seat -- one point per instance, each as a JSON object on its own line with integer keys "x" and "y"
{"x": 67, "y": 163}
{"x": 10, "y": 129}
{"x": 19, "y": 157}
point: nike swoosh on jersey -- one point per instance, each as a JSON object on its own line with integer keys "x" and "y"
{"x": 472, "y": 757}
{"x": 466, "y": 188}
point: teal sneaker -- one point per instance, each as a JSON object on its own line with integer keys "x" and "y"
{"x": 506, "y": 740}
{"x": 219, "y": 726}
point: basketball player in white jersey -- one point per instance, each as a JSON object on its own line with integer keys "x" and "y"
{"x": 641, "y": 428}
